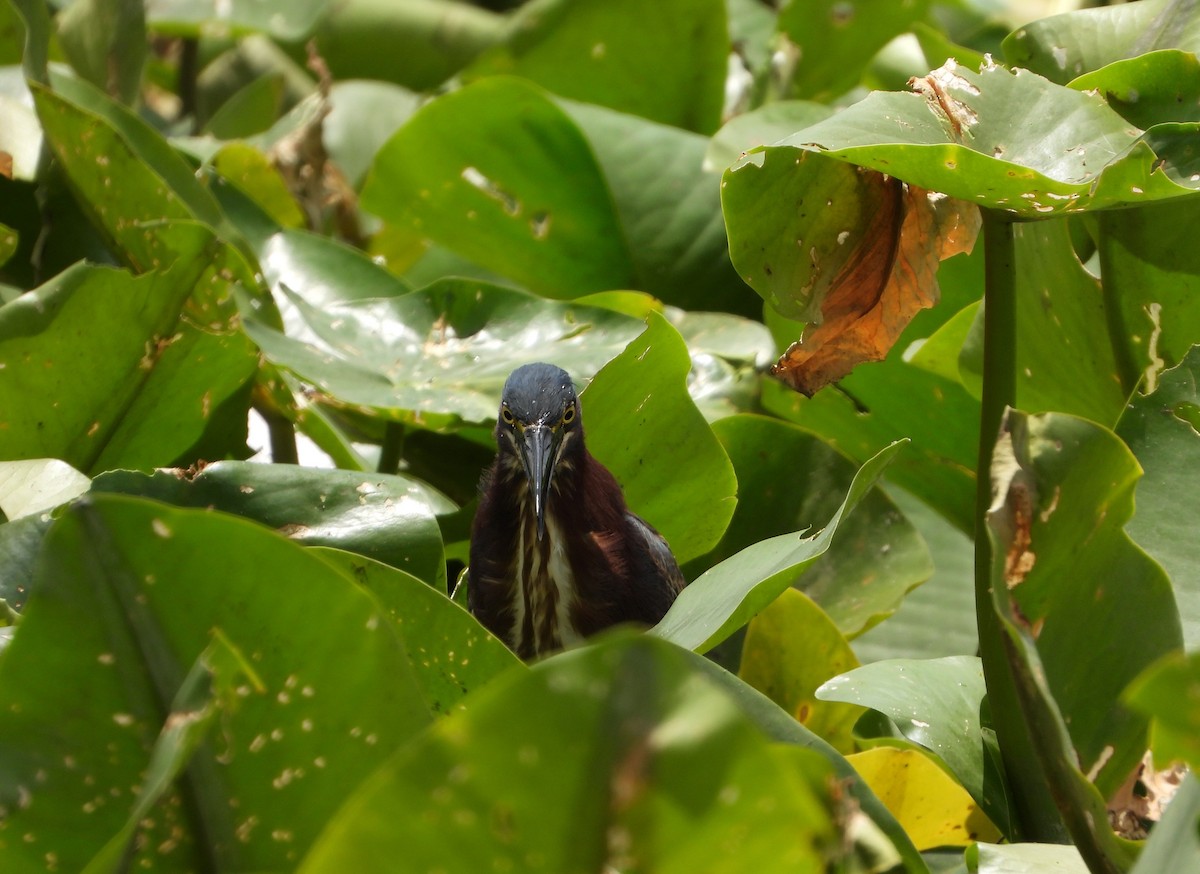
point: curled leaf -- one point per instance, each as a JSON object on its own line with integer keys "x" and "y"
{"x": 889, "y": 279}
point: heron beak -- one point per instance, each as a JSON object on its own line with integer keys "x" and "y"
{"x": 538, "y": 448}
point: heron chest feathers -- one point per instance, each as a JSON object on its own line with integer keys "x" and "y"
{"x": 545, "y": 589}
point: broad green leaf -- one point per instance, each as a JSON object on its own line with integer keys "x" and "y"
{"x": 386, "y": 518}
{"x": 1024, "y": 859}
{"x": 794, "y": 482}
{"x": 829, "y": 44}
{"x": 1067, "y": 575}
{"x": 100, "y": 144}
{"x": 137, "y": 588}
{"x": 291, "y": 21}
{"x": 728, "y": 595}
{"x": 641, "y": 421}
{"x": 791, "y": 648}
{"x": 8, "y": 242}
{"x": 1174, "y": 844}
{"x": 129, "y": 369}
{"x": 20, "y": 545}
{"x": 780, "y": 726}
{"x": 1151, "y": 88}
{"x": 1063, "y": 47}
{"x": 932, "y": 808}
{"x": 761, "y": 126}
{"x": 363, "y": 115}
{"x": 1065, "y": 360}
{"x": 28, "y": 488}
{"x": 1152, "y": 275}
{"x": 1163, "y": 431}
{"x": 209, "y": 689}
{"x": 669, "y": 208}
{"x": 606, "y": 51}
{"x": 254, "y": 176}
{"x": 250, "y": 110}
{"x": 635, "y": 760}
{"x": 890, "y": 401}
{"x": 1005, "y": 147}
{"x": 500, "y": 174}
{"x": 439, "y": 356}
{"x": 105, "y": 42}
{"x": 451, "y": 653}
{"x": 938, "y": 617}
{"x": 937, "y": 704}
{"x": 1169, "y": 691}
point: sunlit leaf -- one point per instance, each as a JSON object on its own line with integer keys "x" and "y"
{"x": 935, "y": 703}
{"x": 791, "y": 648}
{"x": 1169, "y": 691}
{"x": 727, "y": 596}
{"x": 137, "y": 588}
{"x": 34, "y": 486}
{"x": 640, "y": 421}
{"x": 684, "y": 774}
{"x": 932, "y": 808}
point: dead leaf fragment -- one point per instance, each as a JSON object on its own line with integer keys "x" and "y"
{"x": 6, "y": 164}
{"x": 884, "y": 284}
{"x": 1141, "y": 800}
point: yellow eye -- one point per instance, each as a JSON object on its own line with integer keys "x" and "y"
{"x": 569, "y": 415}
{"x": 507, "y": 415}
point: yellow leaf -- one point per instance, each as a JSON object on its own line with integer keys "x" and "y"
{"x": 934, "y": 809}
{"x": 793, "y": 647}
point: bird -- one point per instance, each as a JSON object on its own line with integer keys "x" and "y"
{"x": 556, "y": 554}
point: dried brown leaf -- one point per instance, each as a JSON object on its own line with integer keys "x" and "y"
{"x": 891, "y": 278}
{"x": 6, "y": 164}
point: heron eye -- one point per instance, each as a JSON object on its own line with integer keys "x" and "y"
{"x": 507, "y": 415}
{"x": 569, "y": 415}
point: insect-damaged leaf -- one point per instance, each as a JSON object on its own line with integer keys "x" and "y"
{"x": 889, "y": 277}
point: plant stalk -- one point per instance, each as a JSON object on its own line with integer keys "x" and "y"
{"x": 1035, "y": 814}
{"x": 391, "y": 451}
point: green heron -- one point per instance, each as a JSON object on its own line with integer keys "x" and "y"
{"x": 556, "y": 555}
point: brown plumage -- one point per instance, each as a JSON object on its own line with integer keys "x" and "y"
{"x": 556, "y": 555}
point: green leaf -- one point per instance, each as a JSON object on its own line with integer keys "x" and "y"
{"x": 1063, "y": 47}
{"x": 1066, "y": 575}
{"x": 440, "y": 355}
{"x": 250, "y": 110}
{"x": 641, "y": 421}
{"x": 1024, "y": 859}
{"x": 635, "y": 761}
{"x": 761, "y": 126}
{"x": 209, "y": 689}
{"x": 129, "y": 370}
{"x": 1005, "y": 148}
{"x": 290, "y": 21}
{"x": 386, "y": 518}
{"x": 896, "y": 400}
{"x": 587, "y": 50}
{"x": 138, "y": 588}
{"x": 1064, "y": 492}
{"x": 1169, "y": 691}
{"x": 937, "y": 704}
{"x": 500, "y": 174}
{"x": 1066, "y": 361}
{"x": 452, "y": 654}
{"x": 106, "y": 44}
{"x": 669, "y": 209}
{"x": 28, "y": 488}
{"x": 830, "y": 43}
{"x": 938, "y": 617}
{"x": 1150, "y": 89}
{"x": 255, "y": 177}
{"x": 876, "y": 556}
{"x": 1163, "y": 431}
{"x": 1152, "y": 279}
{"x": 363, "y": 115}
{"x": 791, "y": 648}
{"x": 727, "y": 596}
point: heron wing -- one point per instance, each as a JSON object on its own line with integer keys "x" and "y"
{"x": 661, "y": 557}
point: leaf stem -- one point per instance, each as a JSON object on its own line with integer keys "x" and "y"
{"x": 391, "y": 451}
{"x": 1034, "y": 813}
